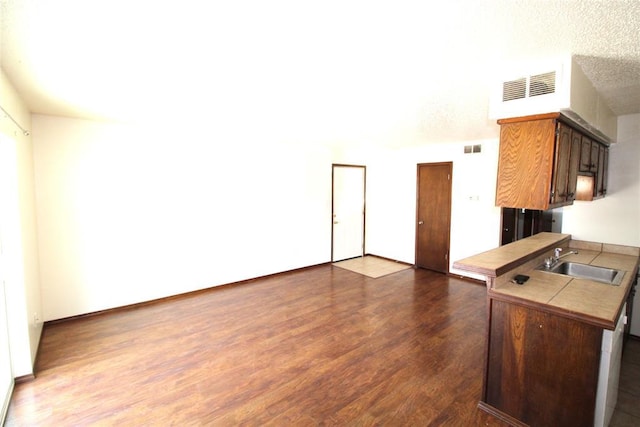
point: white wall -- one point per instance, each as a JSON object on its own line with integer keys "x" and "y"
{"x": 391, "y": 200}
{"x": 615, "y": 218}
{"x": 133, "y": 213}
{"x": 18, "y": 228}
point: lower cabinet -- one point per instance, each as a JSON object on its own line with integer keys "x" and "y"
{"x": 542, "y": 369}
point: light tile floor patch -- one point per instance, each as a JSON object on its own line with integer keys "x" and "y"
{"x": 372, "y": 266}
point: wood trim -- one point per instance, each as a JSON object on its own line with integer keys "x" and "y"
{"x": 500, "y": 415}
{"x": 390, "y": 259}
{"x": 546, "y": 116}
{"x": 467, "y": 279}
{"x": 561, "y": 117}
{"x": 177, "y": 297}
{"x": 24, "y": 378}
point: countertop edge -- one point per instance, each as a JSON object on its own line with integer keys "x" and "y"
{"x": 466, "y": 265}
{"x": 546, "y": 308}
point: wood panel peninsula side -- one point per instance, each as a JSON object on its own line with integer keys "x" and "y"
{"x": 545, "y": 360}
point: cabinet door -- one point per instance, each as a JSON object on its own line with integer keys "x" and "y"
{"x": 574, "y": 165}
{"x": 601, "y": 174}
{"x": 605, "y": 173}
{"x": 559, "y": 189}
{"x": 585, "y": 155}
{"x": 595, "y": 151}
{"x": 525, "y": 164}
{"x": 540, "y": 360}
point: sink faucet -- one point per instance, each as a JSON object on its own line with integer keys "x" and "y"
{"x": 558, "y": 257}
{"x": 549, "y": 262}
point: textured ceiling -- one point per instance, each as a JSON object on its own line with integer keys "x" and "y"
{"x": 417, "y": 68}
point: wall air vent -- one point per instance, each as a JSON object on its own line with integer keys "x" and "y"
{"x": 539, "y": 84}
{"x": 514, "y": 89}
{"x": 542, "y": 84}
{"x": 556, "y": 84}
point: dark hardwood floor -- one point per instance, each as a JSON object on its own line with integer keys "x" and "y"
{"x": 627, "y": 413}
{"x": 321, "y": 346}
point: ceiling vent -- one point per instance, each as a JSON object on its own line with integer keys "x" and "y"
{"x": 514, "y": 89}
{"x": 542, "y": 84}
{"x": 549, "y": 86}
{"x": 536, "y": 85}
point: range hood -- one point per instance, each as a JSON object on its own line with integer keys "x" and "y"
{"x": 551, "y": 85}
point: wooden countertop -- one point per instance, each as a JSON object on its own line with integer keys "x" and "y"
{"x": 496, "y": 262}
{"x": 586, "y": 300}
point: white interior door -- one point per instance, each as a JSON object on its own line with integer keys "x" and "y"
{"x": 348, "y": 212}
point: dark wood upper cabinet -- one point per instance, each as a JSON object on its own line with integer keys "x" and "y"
{"x": 540, "y": 159}
{"x": 594, "y": 167}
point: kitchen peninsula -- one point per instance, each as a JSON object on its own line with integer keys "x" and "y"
{"x": 553, "y": 342}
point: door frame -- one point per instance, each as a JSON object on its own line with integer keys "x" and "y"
{"x": 417, "y": 220}
{"x": 5, "y": 399}
{"x": 7, "y": 145}
{"x": 364, "y": 201}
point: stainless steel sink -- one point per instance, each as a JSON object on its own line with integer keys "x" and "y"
{"x": 585, "y": 271}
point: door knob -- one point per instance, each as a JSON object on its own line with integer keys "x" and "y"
{"x": 420, "y": 222}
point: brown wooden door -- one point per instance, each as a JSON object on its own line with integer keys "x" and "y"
{"x": 433, "y": 216}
